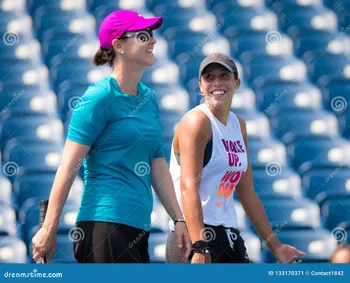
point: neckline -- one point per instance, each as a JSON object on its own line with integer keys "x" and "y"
{"x": 217, "y": 120}
{"x": 115, "y": 83}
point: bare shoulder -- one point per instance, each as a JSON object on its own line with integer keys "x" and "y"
{"x": 195, "y": 125}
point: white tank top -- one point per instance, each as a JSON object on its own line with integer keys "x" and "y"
{"x": 221, "y": 174}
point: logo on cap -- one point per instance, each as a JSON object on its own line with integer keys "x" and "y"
{"x": 214, "y": 55}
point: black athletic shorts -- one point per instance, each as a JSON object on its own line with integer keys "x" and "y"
{"x": 225, "y": 244}
{"x": 105, "y": 242}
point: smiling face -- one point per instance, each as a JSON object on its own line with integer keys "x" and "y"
{"x": 218, "y": 84}
{"x": 137, "y": 46}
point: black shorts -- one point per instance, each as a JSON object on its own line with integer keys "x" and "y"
{"x": 105, "y": 242}
{"x": 225, "y": 244}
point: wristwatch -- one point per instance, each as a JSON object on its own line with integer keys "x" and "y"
{"x": 200, "y": 247}
{"x": 179, "y": 220}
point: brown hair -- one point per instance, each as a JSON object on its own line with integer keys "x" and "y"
{"x": 104, "y": 56}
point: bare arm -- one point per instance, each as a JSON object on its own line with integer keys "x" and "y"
{"x": 72, "y": 157}
{"x": 251, "y": 202}
{"x": 193, "y": 135}
{"x": 163, "y": 185}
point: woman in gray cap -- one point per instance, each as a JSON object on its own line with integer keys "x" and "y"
{"x": 209, "y": 161}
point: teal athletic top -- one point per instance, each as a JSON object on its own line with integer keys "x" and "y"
{"x": 124, "y": 134}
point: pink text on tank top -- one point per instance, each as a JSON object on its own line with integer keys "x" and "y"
{"x": 231, "y": 178}
{"x": 232, "y": 148}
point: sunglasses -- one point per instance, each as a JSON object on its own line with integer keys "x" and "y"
{"x": 143, "y": 36}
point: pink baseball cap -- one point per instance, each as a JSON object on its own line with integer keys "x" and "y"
{"x": 118, "y": 22}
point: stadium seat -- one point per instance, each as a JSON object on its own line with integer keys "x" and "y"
{"x": 292, "y": 213}
{"x": 266, "y": 69}
{"x": 281, "y": 97}
{"x": 318, "y": 244}
{"x": 35, "y": 6}
{"x": 284, "y": 183}
{"x": 156, "y": 246}
{"x": 5, "y": 189}
{"x": 269, "y": 154}
{"x": 320, "y": 184}
{"x": 335, "y": 98}
{"x": 29, "y": 215}
{"x": 344, "y": 121}
{"x": 34, "y": 156}
{"x": 335, "y": 210}
{"x": 340, "y": 8}
{"x": 316, "y": 152}
{"x": 40, "y": 127}
{"x": 12, "y": 250}
{"x": 291, "y": 125}
{"x": 163, "y": 71}
{"x": 169, "y": 121}
{"x": 26, "y": 48}
{"x": 39, "y": 186}
{"x": 7, "y": 220}
{"x": 252, "y": 243}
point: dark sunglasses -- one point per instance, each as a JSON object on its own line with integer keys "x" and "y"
{"x": 144, "y": 36}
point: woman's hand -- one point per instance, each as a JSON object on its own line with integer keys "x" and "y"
{"x": 201, "y": 258}
{"x": 287, "y": 254}
{"x": 44, "y": 242}
{"x": 183, "y": 240}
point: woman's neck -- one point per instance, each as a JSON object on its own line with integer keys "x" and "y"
{"x": 221, "y": 113}
{"x": 127, "y": 78}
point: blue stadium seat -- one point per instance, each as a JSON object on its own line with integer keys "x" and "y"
{"x": 39, "y": 186}
{"x": 295, "y": 95}
{"x": 318, "y": 244}
{"x": 328, "y": 67}
{"x": 235, "y": 3}
{"x": 266, "y": 69}
{"x": 35, "y": 6}
{"x": 270, "y": 154}
{"x": 26, "y": 48}
{"x": 159, "y": 216}
{"x": 5, "y": 189}
{"x": 7, "y": 220}
{"x": 320, "y": 184}
{"x": 292, "y": 213}
{"x": 156, "y": 246}
{"x": 344, "y": 121}
{"x": 12, "y": 250}
{"x": 261, "y": 42}
{"x": 335, "y": 210}
{"x": 14, "y": 24}
{"x": 40, "y": 127}
{"x": 335, "y": 98}
{"x": 19, "y": 100}
{"x": 162, "y": 72}
{"x": 36, "y": 156}
{"x": 340, "y": 7}
{"x": 78, "y": 71}
{"x": 319, "y": 152}
{"x": 291, "y": 125}
{"x": 169, "y": 120}
{"x": 284, "y": 183}
{"x": 29, "y": 215}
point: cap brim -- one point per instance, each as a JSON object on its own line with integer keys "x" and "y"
{"x": 152, "y": 23}
{"x": 220, "y": 63}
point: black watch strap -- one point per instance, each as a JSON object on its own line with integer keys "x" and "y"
{"x": 179, "y": 220}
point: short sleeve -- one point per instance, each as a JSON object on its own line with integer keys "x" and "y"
{"x": 90, "y": 115}
{"x": 159, "y": 151}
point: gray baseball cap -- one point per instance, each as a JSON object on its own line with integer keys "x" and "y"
{"x": 221, "y": 59}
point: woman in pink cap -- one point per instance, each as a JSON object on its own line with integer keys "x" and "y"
{"x": 117, "y": 134}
